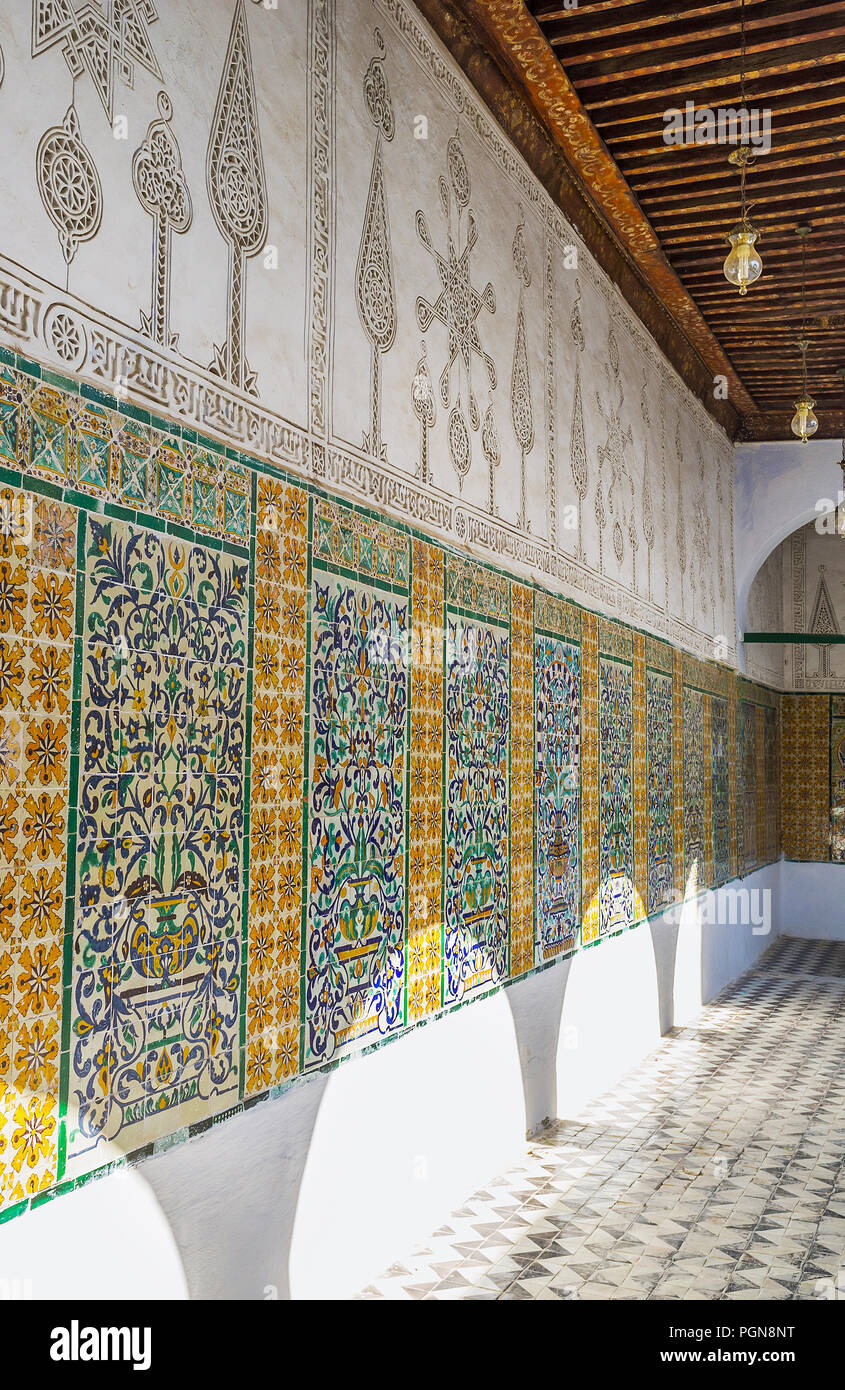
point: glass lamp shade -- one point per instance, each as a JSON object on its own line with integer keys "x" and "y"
{"x": 743, "y": 265}
{"x": 804, "y": 422}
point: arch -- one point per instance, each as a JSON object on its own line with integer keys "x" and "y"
{"x": 111, "y": 1239}
{"x": 776, "y": 488}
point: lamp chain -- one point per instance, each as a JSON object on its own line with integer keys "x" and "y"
{"x": 743, "y": 167}
{"x": 804, "y": 312}
{"x": 742, "y": 70}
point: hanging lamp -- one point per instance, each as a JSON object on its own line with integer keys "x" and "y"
{"x": 743, "y": 264}
{"x": 804, "y": 423}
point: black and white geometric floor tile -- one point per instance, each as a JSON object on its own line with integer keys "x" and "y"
{"x": 715, "y": 1169}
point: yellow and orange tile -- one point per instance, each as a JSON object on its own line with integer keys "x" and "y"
{"x": 678, "y": 767}
{"x": 425, "y": 793}
{"x": 37, "y": 561}
{"x": 706, "y": 714}
{"x": 805, "y": 755}
{"x": 732, "y": 783}
{"x": 760, "y": 759}
{"x": 278, "y": 758}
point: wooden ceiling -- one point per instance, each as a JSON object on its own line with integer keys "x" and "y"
{"x": 601, "y": 76}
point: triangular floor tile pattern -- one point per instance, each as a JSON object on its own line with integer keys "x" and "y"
{"x": 715, "y": 1169}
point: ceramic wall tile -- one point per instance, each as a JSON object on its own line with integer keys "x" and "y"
{"x": 616, "y": 794}
{"x": 695, "y": 854}
{"x": 268, "y": 796}
{"x": 748, "y": 782}
{"x": 37, "y": 625}
{"x": 733, "y": 760}
{"x": 591, "y": 924}
{"x": 274, "y": 911}
{"x": 477, "y": 736}
{"x": 721, "y": 793}
{"x": 522, "y": 763}
{"x": 358, "y": 707}
{"x": 678, "y": 769}
{"x": 660, "y": 798}
{"x": 155, "y": 954}
{"x": 640, "y": 759}
{"x": 707, "y": 766}
{"x": 424, "y": 954}
{"x": 771, "y": 779}
{"x": 557, "y": 681}
{"x": 760, "y": 774}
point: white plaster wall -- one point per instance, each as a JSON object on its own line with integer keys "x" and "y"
{"x": 781, "y": 492}
{"x": 628, "y": 480}
{"x": 111, "y": 274}
{"x": 776, "y": 488}
{"x": 314, "y": 1193}
{"x": 813, "y": 902}
{"x": 108, "y": 1240}
{"x": 727, "y": 949}
{"x": 622, "y": 996}
{"x": 765, "y": 661}
{"x": 814, "y": 601}
{"x": 400, "y": 1139}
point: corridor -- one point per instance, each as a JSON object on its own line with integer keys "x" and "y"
{"x": 713, "y": 1170}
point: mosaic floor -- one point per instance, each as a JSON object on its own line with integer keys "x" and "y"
{"x": 715, "y": 1169}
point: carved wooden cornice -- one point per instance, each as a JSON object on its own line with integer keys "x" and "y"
{"x": 774, "y": 425}
{"x": 502, "y": 51}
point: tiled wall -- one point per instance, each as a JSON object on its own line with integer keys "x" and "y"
{"x": 280, "y": 778}
{"x": 813, "y": 782}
